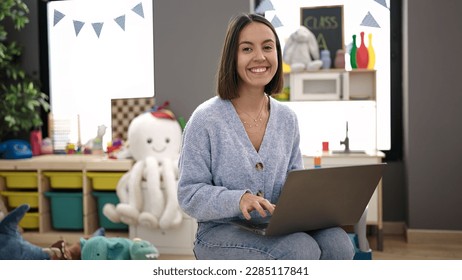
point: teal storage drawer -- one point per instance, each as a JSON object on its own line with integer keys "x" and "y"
{"x": 103, "y": 198}
{"x": 66, "y": 210}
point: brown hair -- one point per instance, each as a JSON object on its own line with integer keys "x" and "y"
{"x": 227, "y": 72}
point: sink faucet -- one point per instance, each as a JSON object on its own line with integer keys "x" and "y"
{"x": 346, "y": 142}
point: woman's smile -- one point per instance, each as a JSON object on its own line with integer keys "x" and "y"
{"x": 258, "y": 69}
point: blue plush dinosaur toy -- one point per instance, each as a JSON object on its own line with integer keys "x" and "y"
{"x": 12, "y": 244}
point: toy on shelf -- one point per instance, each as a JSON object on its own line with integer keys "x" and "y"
{"x": 15, "y": 149}
{"x": 362, "y": 54}
{"x": 35, "y": 140}
{"x": 371, "y": 53}
{"x": 353, "y": 52}
{"x": 301, "y": 51}
{"x": 148, "y": 191}
{"x": 114, "y": 147}
{"x": 70, "y": 148}
{"x": 95, "y": 145}
{"x": 46, "y": 147}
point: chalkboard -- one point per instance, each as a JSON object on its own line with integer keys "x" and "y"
{"x": 326, "y": 23}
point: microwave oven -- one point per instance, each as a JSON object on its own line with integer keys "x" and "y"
{"x": 319, "y": 86}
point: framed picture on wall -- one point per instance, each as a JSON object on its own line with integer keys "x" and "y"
{"x": 326, "y": 23}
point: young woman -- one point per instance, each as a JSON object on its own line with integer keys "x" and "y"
{"x": 237, "y": 150}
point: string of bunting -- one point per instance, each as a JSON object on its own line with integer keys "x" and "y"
{"x": 97, "y": 26}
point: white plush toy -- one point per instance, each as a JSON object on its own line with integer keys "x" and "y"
{"x": 301, "y": 51}
{"x": 148, "y": 192}
{"x": 3, "y": 210}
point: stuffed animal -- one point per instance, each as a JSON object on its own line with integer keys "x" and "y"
{"x": 14, "y": 247}
{"x": 301, "y": 51}
{"x": 148, "y": 192}
{"x": 117, "y": 248}
{"x": 95, "y": 145}
{"x": 12, "y": 244}
{"x": 61, "y": 250}
{"x": 3, "y": 210}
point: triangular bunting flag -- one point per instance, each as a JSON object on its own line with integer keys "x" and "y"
{"x": 57, "y": 16}
{"x": 276, "y": 22}
{"x": 97, "y": 26}
{"x": 121, "y": 22}
{"x": 139, "y": 9}
{"x": 369, "y": 21}
{"x": 78, "y": 26}
{"x": 382, "y": 2}
{"x": 264, "y": 6}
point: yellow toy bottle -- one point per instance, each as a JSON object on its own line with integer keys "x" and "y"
{"x": 371, "y": 52}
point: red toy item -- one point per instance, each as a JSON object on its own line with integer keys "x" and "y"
{"x": 362, "y": 55}
{"x": 36, "y": 141}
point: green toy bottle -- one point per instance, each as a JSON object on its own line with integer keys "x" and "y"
{"x": 353, "y": 51}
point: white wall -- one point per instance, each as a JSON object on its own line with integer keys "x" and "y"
{"x": 87, "y": 70}
{"x": 288, "y": 12}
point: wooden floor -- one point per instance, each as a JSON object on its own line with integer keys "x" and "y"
{"x": 394, "y": 248}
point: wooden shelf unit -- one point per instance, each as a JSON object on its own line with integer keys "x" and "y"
{"x": 45, "y": 234}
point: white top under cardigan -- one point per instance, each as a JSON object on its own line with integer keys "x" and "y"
{"x": 218, "y": 163}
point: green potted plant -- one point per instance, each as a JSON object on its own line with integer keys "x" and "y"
{"x": 21, "y": 99}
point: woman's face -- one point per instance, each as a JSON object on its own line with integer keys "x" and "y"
{"x": 257, "y": 60}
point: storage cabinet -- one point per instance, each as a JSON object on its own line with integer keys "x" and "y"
{"x": 333, "y": 84}
{"x": 65, "y": 206}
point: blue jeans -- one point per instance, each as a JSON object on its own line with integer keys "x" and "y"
{"x": 228, "y": 242}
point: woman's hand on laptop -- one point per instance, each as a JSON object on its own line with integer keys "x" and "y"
{"x": 250, "y": 202}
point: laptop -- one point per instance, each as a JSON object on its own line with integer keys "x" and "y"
{"x": 319, "y": 198}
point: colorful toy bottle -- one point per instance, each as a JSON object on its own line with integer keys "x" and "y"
{"x": 353, "y": 54}
{"x": 371, "y": 52}
{"x": 362, "y": 55}
{"x": 36, "y": 141}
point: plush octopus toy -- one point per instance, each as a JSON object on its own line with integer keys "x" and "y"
{"x": 148, "y": 191}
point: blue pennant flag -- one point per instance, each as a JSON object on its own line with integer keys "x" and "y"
{"x": 121, "y": 22}
{"x": 78, "y": 26}
{"x": 264, "y": 6}
{"x": 369, "y": 21}
{"x": 382, "y": 2}
{"x": 97, "y": 26}
{"x": 139, "y": 9}
{"x": 57, "y": 16}
{"x": 276, "y": 22}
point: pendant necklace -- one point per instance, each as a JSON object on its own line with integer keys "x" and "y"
{"x": 255, "y": 121}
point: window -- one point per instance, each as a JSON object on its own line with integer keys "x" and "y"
{"x": 98, "y": 51}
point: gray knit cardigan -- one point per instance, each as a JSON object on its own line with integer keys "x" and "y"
{"x": 218, "y": 163}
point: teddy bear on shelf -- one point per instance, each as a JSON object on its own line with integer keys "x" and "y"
{"x": 301, "y": 51}
{"x": 148, "y": 191}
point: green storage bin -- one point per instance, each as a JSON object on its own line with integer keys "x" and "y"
{"x": 103, "y": 198}
{"x": 66, "y": 210}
